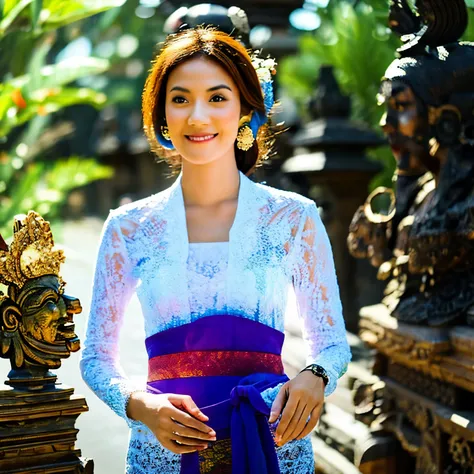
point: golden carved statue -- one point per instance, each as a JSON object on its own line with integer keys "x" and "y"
{"x": 36, "y": 317}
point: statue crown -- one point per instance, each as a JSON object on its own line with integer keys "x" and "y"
{"x": 32, "y": 253}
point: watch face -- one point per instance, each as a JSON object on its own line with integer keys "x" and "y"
{"x": 320, "y": 372}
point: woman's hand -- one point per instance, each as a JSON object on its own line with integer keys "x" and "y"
{"x": 175, "y": 420}
{"x": 299, "y": 399}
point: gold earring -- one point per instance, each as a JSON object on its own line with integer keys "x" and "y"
{"x": 245, "y": 136}
{"x": 165, "y": 132}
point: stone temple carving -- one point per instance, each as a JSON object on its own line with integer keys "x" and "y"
{"x": 421, "y": 238}
{"x": 36, "y": 317}
{"x": 424, "y": 243}
{"x": 37, "y": 413}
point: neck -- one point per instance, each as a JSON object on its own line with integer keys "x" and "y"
{"x": 206, "y": 185}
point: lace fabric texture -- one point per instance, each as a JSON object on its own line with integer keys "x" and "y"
{"x": 277, "y": 240}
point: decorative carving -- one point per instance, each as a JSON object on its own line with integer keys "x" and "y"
{"x": 416, "y": 413}
{"x": 421, "y": 332}
{"x": 36, "y": 317}
{"x": 369, "y": 230}
{"x": 424, "y": 385}
{"x": 32, "y": 253}
{"x": 462, "y": 453}
{"x": 37, "y": 415}
{"x": 368, "y": 399}
{"x": 429, "y": 237}
{"x": 427, "y": 461}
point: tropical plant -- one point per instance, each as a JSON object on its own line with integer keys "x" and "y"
{"x": 355, "y": 40}
{"x": 32, "y": 91}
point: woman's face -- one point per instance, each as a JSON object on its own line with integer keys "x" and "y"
{"x": 202, "y": 111}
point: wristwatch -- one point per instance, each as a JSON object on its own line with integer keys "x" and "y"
{"x": 318, "y": 371}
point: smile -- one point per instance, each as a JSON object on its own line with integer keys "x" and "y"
{"x": 201, "y": 138}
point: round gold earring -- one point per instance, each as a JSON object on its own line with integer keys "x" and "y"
{"x": 165, "y": 132}
{"x": 245, "y": 136}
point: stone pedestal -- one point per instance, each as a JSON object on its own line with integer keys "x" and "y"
{"x": 37, "y": 431}
{"x": 424, "y": 393}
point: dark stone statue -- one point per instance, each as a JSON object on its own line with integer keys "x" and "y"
{"x": 424, "y": 243}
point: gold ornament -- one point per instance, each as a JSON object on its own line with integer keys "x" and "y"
{"x": 36, "y": 317}
{"x": 165, "y": 133}
{"x": 245, "y": 136}
{"x": 32, "y": 253}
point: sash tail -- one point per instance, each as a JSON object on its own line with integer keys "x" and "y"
{"x": 223, "y": 362}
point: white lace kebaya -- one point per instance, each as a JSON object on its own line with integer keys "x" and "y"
{"x": 277, "y": 240}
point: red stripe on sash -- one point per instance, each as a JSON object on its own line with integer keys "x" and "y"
{"x": 212, "y": 363}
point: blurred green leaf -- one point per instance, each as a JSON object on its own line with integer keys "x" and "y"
{"x": 47, "y": 101}
{"x": 65, "y": 72}
{"x": 54, "y": 13}
{"x": 37, "y": 61}
{"x": 62, "y": 12}
{"x": 12, "y": 11}
{"x": 36, "y": 7}
{"x": 45, "y": 188}
{"x": 75, "y": 172}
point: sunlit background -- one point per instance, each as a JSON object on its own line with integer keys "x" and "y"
{"x": 71, "y": 140}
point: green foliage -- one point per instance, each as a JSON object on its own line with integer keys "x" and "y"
{"x": 30, "y": 93}
{"x": 358, "y": 46}
{"x": 44, "y": 187}
{"x": 47, "y": 15}
{"x": 357, "y": 42}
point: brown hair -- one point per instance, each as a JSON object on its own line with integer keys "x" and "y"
{"x": 234, "y": 58}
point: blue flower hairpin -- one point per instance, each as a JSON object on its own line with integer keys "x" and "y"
{"x": 265, "y": 69}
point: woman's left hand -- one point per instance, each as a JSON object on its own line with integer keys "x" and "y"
{"x": 299, "y": 398}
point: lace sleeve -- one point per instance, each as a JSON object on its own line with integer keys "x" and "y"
{"x": 112, "y": 291}
{"x": 317, "y": 295}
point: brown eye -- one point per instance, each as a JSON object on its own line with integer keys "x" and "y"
{"x": 220, "y": 97}
{"x": 178, "y": 100}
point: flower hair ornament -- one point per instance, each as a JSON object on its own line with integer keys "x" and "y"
{"x": 249, "y": 125}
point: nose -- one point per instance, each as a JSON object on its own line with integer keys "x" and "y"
{"x": 198, "y": 115}
{"x": 73, "y": 305}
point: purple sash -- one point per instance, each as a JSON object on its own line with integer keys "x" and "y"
{"x": 190, "y": 359}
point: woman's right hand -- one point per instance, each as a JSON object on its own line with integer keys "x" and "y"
{"x": 174, "y": 419}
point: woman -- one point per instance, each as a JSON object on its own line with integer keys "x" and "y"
{"x": 211, "y": 259}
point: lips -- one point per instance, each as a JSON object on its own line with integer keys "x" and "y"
{"x": 66, "y": 330}
{"x": 201, "y": 138}
{"x": 66, "y": 327}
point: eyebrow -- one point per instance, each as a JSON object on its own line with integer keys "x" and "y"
{"x": 211, "y": 89}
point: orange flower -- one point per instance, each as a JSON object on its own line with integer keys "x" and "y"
{"x": 42, "y": 110}
{"x": 18, "y": 99}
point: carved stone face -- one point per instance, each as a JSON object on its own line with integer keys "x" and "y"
{"x": 48, "y": 313}
{"x": 406, "y": 126}
{"x": 38, "y": 319}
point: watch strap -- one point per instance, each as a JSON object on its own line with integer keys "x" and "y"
{"x": 318, "y": 371}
